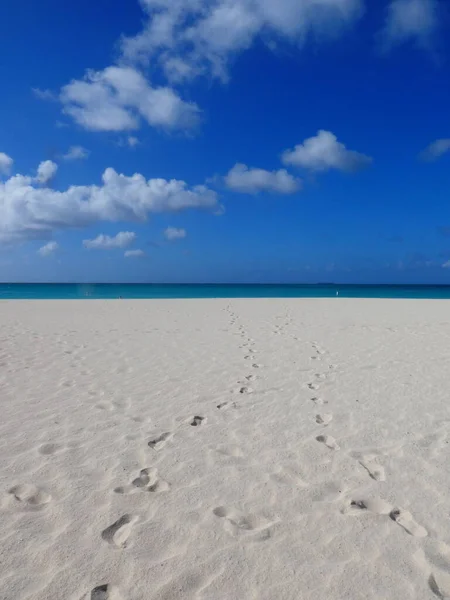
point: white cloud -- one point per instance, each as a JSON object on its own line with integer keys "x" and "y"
{"x": 44, "y": 94}
{"x": 46, "y": 171}
{"x": 132, "y": 141}
{"x": 323, "y": 152}
{"x": 251, "y": 181}
{"x": 6, "y": 163}
{"x": 186, "y": 39}
{"x": 446, "y": 265}
{"x": 30, "y": 211}
{"x": 436, "y": 149}
{"x": 48, "y": 249}
{"x": 134, "y": 253}
{"x": 192, "y": 37}
{"x": 76, "y": 153}
{"x": 106, "y": 242}
{"x": 174, "y": 233}
{"x": 410, "y": 20}
{"x": 118, "y": 98}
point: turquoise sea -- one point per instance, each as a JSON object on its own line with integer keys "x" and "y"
{"x": 35, "y": 291}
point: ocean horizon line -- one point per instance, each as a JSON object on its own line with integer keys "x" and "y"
{"x": 226, "y": 284}
{"x": 67, "y": 291}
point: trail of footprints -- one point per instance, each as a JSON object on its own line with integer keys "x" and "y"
{"x": 249, "y": 355}
{"x": 117, "y": 535}
{"x": 375, "y": 471}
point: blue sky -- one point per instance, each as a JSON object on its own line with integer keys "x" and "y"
{"x": 225, "y": 140}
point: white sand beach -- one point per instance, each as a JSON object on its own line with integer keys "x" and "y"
{"x": 225, "y": 450}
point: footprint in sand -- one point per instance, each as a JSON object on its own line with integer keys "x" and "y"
{"x": 47, "y": 449}
{"x": 319, "y": 401}
{"x": 329, "y": 441}
{"x": 146, "y": 477}
{"x": 226, "y": 405}
{"x": 405, "y": 520}
{"x": 439, "y": 583}
{"x": 373, "y": 505}
{"x": 318, "y": 349}
{"x": 147, "y": 481}
{"x": 313, "y": 386}
{"x": 250, "y": 377}
{"x": 118, "y": 533}
{"x": 30, "y": 494}
{"x": 236, "y": 523}
{"x": 160, "y": 441}
{"x": 105, "y": 592}
{"x": 375, "y": 471}
{"x": 324, "y": 419}
{"x": 380, "y": 507}
{"x": 246, "y": 390}
{"x": 197, "y": 421}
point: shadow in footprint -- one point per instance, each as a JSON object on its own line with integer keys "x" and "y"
{"x": 319, "y": 401}
{"x": 375, "y": 471}
{"x": 30, "y": 495}
{"x": 329, "y": 441}
{"x": 197, "y": 421}
{"x": 226, "y": 405}
{"x": 147, "y": 481}
{"x": 324, "y": 419}
{"x": 375, "y": 505}
{"x": 146, "y": 477}
{"x": 405, "y": 520}
{"x": 246, "y": 390}
{"x": 47, "y": 449}
{"x": 105, "y": 592}
{"x": 118, "y": 533}
{"x": 440, "y": 585}
{"x": 160, "y": 441}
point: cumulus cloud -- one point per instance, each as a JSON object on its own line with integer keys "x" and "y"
{"x": 436, "y": 149}
{"x": 118, "y": 98}
{"x": 324, "y": 152}
{"x": 410, "y": 20}
{"x": 251, "y": 181}
{"x": 174, "y": 233}
{"x": 187, "y": 39}
{"x": 106, "y": 242}
{"x": 46, "y": 171}
{"x": 76, "y": 153}
{"x": 6, "y": 163}
{"x": 48, "y": 249}
{"x": 134, "y": 253}
{"x": 192, "y": 37}
{"x": 30, "y": 211}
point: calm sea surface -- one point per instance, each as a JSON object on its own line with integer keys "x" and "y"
{"x": 112, "y": 290}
